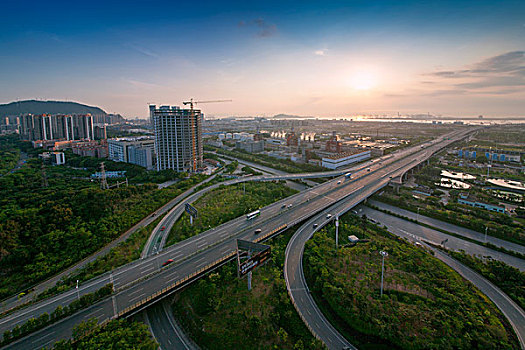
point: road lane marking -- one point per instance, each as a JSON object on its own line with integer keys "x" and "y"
{"x": 42, "y": 337}
{"x": 138, "y": 290}
{"x": 137, "y": 297}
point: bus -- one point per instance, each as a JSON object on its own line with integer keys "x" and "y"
{"x": 253, "y": 215}
{"x": 348, "y": 175}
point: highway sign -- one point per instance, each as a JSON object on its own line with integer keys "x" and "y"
{"x": 191, "y": 210}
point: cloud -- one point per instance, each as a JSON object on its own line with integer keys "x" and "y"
{"x": 508, "y": 63}
{"x": 320, "y": 52}
{"x": 501, "y": 74}
{"x": 142, "y": 50}
{"x": 264, "y": 29}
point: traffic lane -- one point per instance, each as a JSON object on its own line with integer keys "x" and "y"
{"x": 510, "y": 309}
{"x": 164, "y": 332}
{"x": 62, "y": 329}
{"x": 450, "y": 227}
{"x": 372, "y": 176}
{"x": 411, "y": 229}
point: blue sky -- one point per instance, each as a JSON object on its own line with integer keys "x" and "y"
{"x": 301, "y": 57}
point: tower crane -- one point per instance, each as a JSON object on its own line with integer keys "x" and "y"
{"x": 193, "y": 136}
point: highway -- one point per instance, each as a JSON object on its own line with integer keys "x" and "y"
{"x": 199, "y": 254}
{"x": 411, "y": 230}
{"x": 462, "y": 231}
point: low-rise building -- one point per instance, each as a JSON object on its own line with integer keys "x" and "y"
{"x": 343, "y": 159}
{"x": 134, "y": 150}
{"x": 467, "y": 199}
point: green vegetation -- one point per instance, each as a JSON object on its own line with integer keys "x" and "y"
{"x": 9, "y": 154}
{"x": 46, "y": 229}
{"x": 426, "y": 305}
{"x": 34, "y": 324}
{"x": 230, "y": 168}
{"x": 125, "y": 252}
{"x": 250, "y": 170}
{"x": 508, "y": 278}
{"x": 226, "y": 203}
{"x": 116, "y": 334}
{"x": 134, "y": 173}
{"x": 279, "y": 164}
{"x": 219, "y": 312}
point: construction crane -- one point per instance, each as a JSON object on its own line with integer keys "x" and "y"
{"x": 191, "y": 103}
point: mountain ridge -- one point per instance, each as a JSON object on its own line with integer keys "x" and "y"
{"x": 48, "y": 107}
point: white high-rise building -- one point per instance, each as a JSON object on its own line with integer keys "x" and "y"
{"x": 178, "y": 138}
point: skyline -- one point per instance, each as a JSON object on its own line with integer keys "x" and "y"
{"x": 444, "y": 58}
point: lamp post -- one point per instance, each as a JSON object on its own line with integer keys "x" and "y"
{"x": 486, "y": 229}
{"x": 383, "y": 254}
{"x": 336, "y": 232}
{"x": 78, "y": 292}
{"x": 417, "y": 219}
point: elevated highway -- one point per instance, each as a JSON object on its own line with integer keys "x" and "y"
{"x": 142, "y": 283}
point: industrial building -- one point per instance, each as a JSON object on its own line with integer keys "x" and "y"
{"x": 178, "y": 138}
{"x": 250, "y": 146}
{"x": 342, "y": 159}
{"x": 491, "y": 154}
{"x": 467, "y": 199}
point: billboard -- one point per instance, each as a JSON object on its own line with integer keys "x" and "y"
{"x": 191, "y": 210}
{"x": 259, "y": 254}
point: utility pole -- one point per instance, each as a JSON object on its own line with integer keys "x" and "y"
{"x": 336, "y": 232}
{"x": 383, "y": 254}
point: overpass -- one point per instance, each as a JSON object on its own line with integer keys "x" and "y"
{"x": 142, "y": 283}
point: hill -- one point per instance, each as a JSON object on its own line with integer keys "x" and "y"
{"x": 48, "y": 107}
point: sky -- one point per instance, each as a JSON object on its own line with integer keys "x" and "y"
{"x": 311, "y": 58}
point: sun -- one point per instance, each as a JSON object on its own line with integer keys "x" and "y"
{"x": 363, "y": 80}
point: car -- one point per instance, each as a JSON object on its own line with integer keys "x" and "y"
{"x": 338, "y": 182}
{"x": 163, "y": 228}
{"x": 328, "y": 216}
{"x": 354, "y": 211}
{"x": 167, "y": 262}
{"x": 289, "y": 205}
{"x": 257, "y": 231}
{"x": 315, "y": 226}
{"x": 283, "y": 206}
{"x": 367, "y": 169}
{"x": 152, "y": 215}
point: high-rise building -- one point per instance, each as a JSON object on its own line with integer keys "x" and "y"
{"x": 178, "y": 138}
{"x": 57, "y": 127}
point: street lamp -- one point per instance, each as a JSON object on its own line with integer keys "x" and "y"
{"x": 417, "y": 219}
{"x": 383, "y": 254}
{"x": 486, "y": 229}
{"x": 78, "y": 293}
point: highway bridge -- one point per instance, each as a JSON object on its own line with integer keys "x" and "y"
{"x": 144, "y": 282}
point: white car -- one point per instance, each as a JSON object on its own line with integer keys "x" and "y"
{"x": 328, "y": 216}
